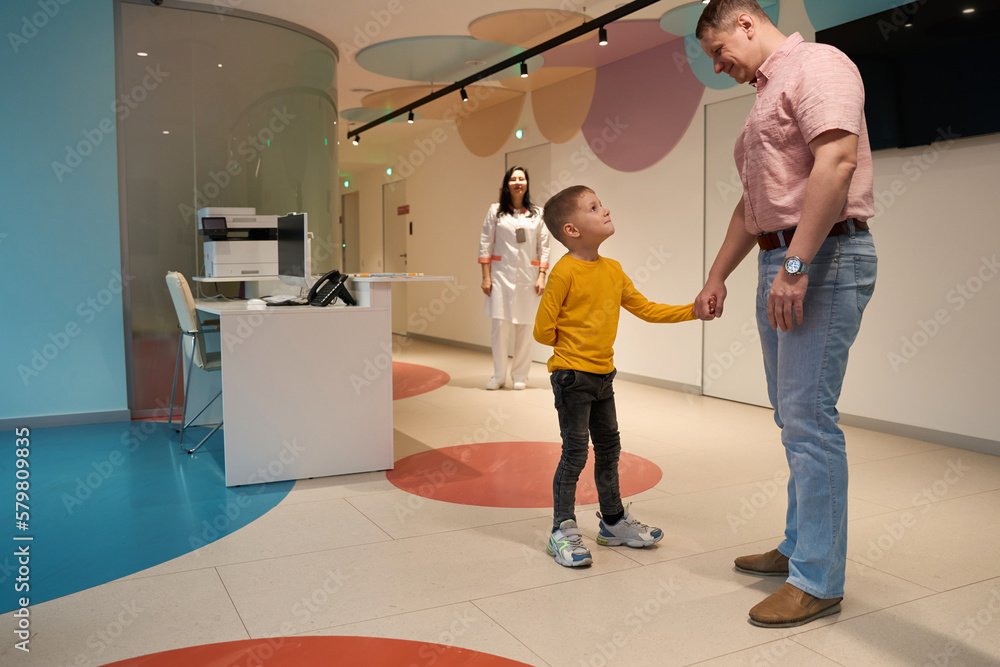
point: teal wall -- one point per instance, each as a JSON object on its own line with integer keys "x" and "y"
{"x": 62, "y": 349}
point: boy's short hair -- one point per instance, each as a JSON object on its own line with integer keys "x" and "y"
{"x": 560, "y": 209}
{"x": 719, "y": 15}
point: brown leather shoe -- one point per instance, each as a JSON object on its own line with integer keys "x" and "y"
{"x": 789, "y": 607}
{"x": 771, "y": 564}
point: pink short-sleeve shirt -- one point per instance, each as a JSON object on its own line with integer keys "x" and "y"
{"x": 803, "y": 90}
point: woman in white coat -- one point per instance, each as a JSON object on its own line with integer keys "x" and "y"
{"x": 514, "y": 255}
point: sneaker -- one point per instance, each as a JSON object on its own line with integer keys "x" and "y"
{"x": 566, "y": 546}
{"x": 629, "y": 531}
{"x": 494, "y": 383}
{"x": 520, "y": 385}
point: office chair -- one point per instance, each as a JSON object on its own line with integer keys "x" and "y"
{"x": 192, "y": 341}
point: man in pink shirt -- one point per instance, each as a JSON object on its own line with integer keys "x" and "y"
{"x": 805, "y": 162}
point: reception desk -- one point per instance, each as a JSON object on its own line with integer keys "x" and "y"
{"x": 306, "y": 391}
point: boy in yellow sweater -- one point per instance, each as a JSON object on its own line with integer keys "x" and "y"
{"x": 578, "y": 317}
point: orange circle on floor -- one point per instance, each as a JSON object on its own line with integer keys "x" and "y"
{"x": 412, "y": 379}
{"x": 298, "y": 651}
{"x": 508, "y": 474}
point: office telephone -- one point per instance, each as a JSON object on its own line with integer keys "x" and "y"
{"x": 330, "y": 287}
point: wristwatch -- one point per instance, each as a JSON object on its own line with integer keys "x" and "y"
{"x": 793, "y": 265}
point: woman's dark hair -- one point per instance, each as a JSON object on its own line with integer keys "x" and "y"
{"x": 506, "y": 206}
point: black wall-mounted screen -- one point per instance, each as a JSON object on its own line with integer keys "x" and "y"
{"x": 929, "y": 69}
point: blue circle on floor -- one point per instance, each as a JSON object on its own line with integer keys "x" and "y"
{"x": 108, "y": 500}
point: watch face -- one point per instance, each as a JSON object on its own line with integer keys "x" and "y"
{"x": 793, "y": 264}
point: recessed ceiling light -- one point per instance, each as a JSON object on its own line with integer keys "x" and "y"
{"x": 142, "y": 54}
{"x": 362, "y": 90}
{"x": 969, "y": 10}
{"x": 475, "y": 62}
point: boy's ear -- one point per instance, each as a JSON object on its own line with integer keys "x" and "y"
{"x": 570, "y": 230}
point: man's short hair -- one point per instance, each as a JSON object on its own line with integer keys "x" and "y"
{"x": 719, "y": 15}
{"x": 561, "y": 208}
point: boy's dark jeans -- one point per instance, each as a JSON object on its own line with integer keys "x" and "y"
{"x": 586, "y": 405}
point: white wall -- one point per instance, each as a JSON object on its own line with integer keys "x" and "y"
{"x": 940, "y": 234}
{"x": 368, "y": 185}
{"x": 929, "y": 354}
{"x": 449, "y": 191}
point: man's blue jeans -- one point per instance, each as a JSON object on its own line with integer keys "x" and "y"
{"x": 805, "y": 370}
{"x": 586, "y": 405}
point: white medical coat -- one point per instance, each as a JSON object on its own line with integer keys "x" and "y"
{"x": 513, "y": 266}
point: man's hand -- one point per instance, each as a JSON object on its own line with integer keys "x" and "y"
{"x": 708, "y": 303}
{"x": 487, "y": 285}
{"x": 784, "y": 304}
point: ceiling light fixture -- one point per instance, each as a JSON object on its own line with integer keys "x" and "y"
{"x": 602, "y": 36}
{"x": 524, "y": 69}
{"x": 465, "y": 95}
{"x": 409, "y": 119}
{"x": 357, "y": 139}
{"x": 520, "y": 58}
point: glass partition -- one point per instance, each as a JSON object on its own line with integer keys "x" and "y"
{"x": 223, "y": 111}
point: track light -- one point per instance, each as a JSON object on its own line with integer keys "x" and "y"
{"x": 357, "y": 139}
{"x": 519, "y": 59}
{"x": 409, "y": 119}
{"x": 602, "y": 36}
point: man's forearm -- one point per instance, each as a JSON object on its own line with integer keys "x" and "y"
{"x": 735, "y": 247}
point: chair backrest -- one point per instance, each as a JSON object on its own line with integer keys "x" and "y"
{"x": 187, "y": 316}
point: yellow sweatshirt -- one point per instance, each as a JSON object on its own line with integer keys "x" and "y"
{"x": 578, "y": 314}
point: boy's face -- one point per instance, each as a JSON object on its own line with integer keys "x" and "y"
{"x": 592, "y": 220}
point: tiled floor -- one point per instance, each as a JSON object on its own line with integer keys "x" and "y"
{"x": 355, "y": 555}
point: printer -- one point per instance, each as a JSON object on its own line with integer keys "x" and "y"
{"x": 238, "y": 242}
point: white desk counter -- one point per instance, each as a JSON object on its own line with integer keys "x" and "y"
{"x": 299, "y": 395}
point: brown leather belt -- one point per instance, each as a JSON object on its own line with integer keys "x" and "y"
{"x": 781, "y": 239}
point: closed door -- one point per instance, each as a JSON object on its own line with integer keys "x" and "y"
{"x": 396, "y": 229}
{"x": 732, "y": 366}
